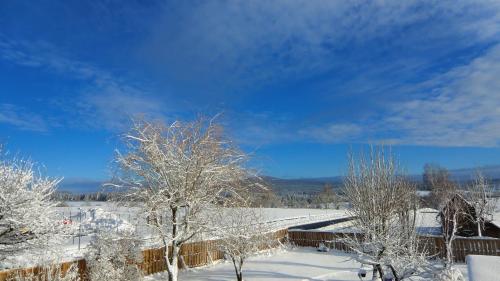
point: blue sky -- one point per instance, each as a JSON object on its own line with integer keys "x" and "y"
{"x": 299, "y": 83}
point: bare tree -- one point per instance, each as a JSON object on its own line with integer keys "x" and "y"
{"x": 479, "y": 194}
{"x": 385, "y": 205}
{"x": 451, "y": 215}
{"x": 327, "y": 197}
{"x": 27, "y": 215}
{"x": 179, "y": 173}
{"x": 437, "y": 179}
{"x": 242, "y": 232}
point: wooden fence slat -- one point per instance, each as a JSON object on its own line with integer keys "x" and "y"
{"x": 435, "y": 246}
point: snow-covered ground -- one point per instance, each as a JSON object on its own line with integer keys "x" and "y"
{"x": 282, "y": 265}
{"x": 84, "y": 219}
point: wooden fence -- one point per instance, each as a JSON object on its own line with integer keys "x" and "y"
{"x": 434, "y": 245}
{"x": 205, "y": 252}
{"x": 191, "y": 255}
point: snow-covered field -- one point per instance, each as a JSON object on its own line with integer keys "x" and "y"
{"x": 282, "y": 265}
{"x": 88, "y": 217}
{"x": 427, "y": 223}
{"x": 84, "y": 219}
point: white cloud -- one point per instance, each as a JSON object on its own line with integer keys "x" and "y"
{"x": 250, "y": 43}
{"x": 114, "y": 106}
{"x": 333, "y": 133}
{"x": 458, "y": 108}
{"x": 22, "y": 119}
{"x": 462, "y": 107}
{"x": 105, "y": 102}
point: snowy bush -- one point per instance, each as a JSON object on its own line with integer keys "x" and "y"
{"x": 114, "y": 257}
{"x": 450, "y": 274}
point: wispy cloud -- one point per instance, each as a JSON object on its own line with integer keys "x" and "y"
{"x": 105, "y": 101}
{"x": 461, "y": 108}
{"x": 334, "y": 133}
{"x": 458, "y": 108}
{"x": 254, "y": 43}
{"x": 408, "y": 72}
{"x": 22, "y": 119}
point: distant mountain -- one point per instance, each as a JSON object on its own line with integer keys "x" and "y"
{"x": 80, "y": 185}
{"x": 308, "y": 185}
{"x": 491, "y": 172}
{"x": 284, "y": 186}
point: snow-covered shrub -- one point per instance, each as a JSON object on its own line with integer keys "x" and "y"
{"x": 27, "y": 218}
{"x": 450, "y": 274}
{"x": 114, "y": 257}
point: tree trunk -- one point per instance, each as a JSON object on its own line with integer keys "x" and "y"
{"x": 377, "y": 273}
{"x": 172, "y": 264}
{"x": 172, "y": 276}
{"x": 479, "y": 233}
{"x": 237, "y": 268}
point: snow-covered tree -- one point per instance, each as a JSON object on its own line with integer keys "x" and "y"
{"x": 114, "y": 257}
{"x": 437, "y": 180}
{"x": 327, "y": 198}
{"x": 27, "y": 215}
{"x": 451, "y": 215}
{"x": 384, "y": 203}
{"x": 242, "y": 233}
{"x": 179, "y": 173}
{"x": 479, "y": 195}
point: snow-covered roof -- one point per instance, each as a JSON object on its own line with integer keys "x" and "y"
{"x": 428, "y": 222}
{"x": 496, "y": 215}
{"x": 482, "y": 268}
{"x": 423, "y": 193}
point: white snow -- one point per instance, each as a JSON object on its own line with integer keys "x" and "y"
{"x": 104, "y": 220}
{"x": 296, "y": 264}
{"x": 107, "y": 216}
{"x": 428, "y": 223}
{"x": 482, "y": 268}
